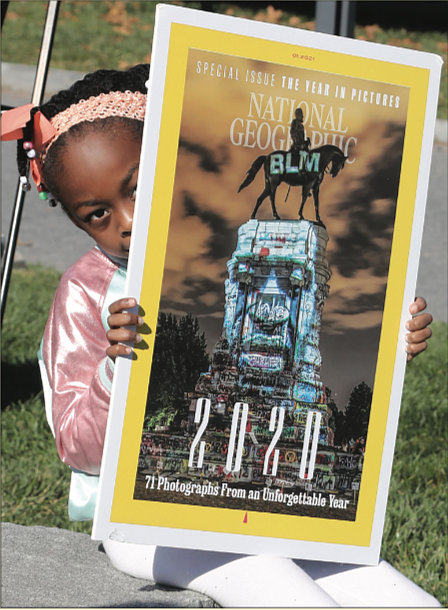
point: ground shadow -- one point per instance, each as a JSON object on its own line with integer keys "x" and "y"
{"x": 20, "y": 381}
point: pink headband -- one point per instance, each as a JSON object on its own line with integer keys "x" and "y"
{"x": 120, "y": 104}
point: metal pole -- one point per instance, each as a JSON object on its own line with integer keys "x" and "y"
{"x": 336, "y": 17}
{"x": 347, "y": 26}
{"x": 4, "y": 9}
{"x": 37, "y": 98}
{"x": 326, "y": 16}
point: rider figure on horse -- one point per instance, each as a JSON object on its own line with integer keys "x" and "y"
{"x": 297, "y": 131}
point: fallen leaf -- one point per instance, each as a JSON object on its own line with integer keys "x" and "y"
{"x": 11, "y": 16}
{"x": 273, "y": 15}
{"x": 294, "y": 21}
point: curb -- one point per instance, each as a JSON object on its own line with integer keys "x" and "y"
{"x": 441, "y": 131}
{"x": 19, "y": 79}
{"x": 19, "y": 259}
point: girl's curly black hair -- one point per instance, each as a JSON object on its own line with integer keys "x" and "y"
{"x": 101, "y": 81}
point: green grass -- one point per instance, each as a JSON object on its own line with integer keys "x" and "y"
{"x": 35, "y": 483}
{"x": 93, "y": 35}
{"x": 30, "y": 297}
{"x": 415, "y": 534}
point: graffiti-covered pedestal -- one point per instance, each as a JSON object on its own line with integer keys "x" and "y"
{"x": 268, "y": 356}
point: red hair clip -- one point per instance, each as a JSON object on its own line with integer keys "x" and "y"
{"x": 13, "y": 123}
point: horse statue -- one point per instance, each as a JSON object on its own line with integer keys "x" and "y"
{"x": 297, "y": 168}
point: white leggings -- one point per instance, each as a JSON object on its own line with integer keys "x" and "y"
{"x": 269, "y": 581}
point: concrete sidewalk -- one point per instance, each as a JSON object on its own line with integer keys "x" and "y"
{"x": 44, "y": 567}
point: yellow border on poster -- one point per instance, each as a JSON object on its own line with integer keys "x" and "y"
{"x": 124, "y": 508}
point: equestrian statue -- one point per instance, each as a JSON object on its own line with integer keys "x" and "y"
{"x": 298, "y": 166}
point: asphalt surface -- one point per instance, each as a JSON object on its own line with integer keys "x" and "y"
{"x": 48, "y": 237}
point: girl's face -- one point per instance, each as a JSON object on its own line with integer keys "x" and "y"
{"x": 98, "y": 185}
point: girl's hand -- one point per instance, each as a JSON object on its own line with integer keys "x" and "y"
{"x": 120, "y": 318}
{"x": 416, "y": 338}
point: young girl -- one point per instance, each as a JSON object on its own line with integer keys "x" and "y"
{"x": 83, "y": 148}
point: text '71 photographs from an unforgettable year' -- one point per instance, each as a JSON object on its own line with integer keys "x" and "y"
{"x": 278, "y": 223}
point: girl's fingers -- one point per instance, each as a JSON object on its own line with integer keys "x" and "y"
{"x": 119, "y": 332}
{"x": 419, "y": 322}
{"x": 413, "y": 349}
{"x": 417, "y": 306}
{"x": 117, "y": 338}
{"x": 120, "y": 335}
{"x": 418, "y": 327}
{"x": 118, "y": 350}
{"x": 118, "y": 320}
{"x": 122, "y": 304}
{"x": 418, "y": 336}
{"x": 416, "y": 342}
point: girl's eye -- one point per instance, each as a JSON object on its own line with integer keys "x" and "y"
{"x": 97, "y": 216}
{"x": 134, "y": 193}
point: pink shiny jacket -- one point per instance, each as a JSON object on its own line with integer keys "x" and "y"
{"x": 74, "y": 356}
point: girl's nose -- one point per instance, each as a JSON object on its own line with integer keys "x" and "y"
{"x": 126, "y": 218}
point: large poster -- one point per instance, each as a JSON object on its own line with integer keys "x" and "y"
{"x": 273, "y": 249}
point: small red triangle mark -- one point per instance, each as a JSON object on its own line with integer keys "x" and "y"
{"x": 245, "y": 518}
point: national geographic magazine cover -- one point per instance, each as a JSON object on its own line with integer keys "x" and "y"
{"x": 275, "y": 248}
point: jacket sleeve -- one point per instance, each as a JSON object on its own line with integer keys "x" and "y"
{"x": 79, "y": 372}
